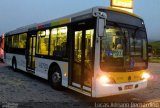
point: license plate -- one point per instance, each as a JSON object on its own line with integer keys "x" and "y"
{"x": 128, "y": 87}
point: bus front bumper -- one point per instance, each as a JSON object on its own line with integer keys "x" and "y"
{"x": 115, "y": 89}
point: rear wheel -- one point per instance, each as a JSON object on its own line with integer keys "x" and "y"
{"x": 14, "y": 65}
{"x": 55, "y": 78}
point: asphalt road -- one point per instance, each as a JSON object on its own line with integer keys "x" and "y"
{"x": 20, "y": 89}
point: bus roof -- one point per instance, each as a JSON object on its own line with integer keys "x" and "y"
{"x": 66, "y": 19}
{"x": 123, "y": 11}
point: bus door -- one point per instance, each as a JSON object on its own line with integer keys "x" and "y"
{"x": 82, "y": 59}
{"x": 30, "y": 56}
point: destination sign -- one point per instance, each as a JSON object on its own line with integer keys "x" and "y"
{"x": 122, "y": 3}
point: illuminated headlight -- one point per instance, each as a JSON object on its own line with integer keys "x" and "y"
{"x": 106, "y": 80}
{"x": 145, "y": 76}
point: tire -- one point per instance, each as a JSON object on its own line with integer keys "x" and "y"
{"x": 1, "y": 60}
{"x": 14, "y": 65}
{"x": 55, "y": 78}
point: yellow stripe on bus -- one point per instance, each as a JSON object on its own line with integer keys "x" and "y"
{"x": 60, "y": 22}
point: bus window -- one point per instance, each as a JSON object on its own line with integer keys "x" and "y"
{"x": 22, "y": 40}
{"x": 78, "y": 45}
{"x": 138, "y": 46}
{"x": 42, "y": 42}
{"x": 123, "y": 48}
{"x": 58, "y": 42}
{"x": 89, "y": 44}
{"x": 6, "y": 44}
{"x": 88, "y": 57}
{"x": 10, "y": 42}
{"x": 15, "y": 41}
{"x": 114, "y": 48}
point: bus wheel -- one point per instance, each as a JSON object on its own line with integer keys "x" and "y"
{"x": 55, "y": 78}
{"x": 14, "y": 65}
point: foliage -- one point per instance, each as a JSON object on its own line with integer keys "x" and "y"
{"x": 155, "y": 47}
{"x": 154, "y": 59}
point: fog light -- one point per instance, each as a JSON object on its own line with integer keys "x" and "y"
{"x": 145, "y": 76}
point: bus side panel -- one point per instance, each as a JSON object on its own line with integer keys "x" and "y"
{"x": 21, "y": 62}
{"x": 42, "y": 67}
{"x": 8, "y": 58}
{"x": 20, "y": 59}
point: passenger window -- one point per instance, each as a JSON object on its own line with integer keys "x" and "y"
{"x": 15, "y": 41}
{"x": 22, "y": 40}
{"x": 42, "y": 42}
{"x": 58, "y": 42}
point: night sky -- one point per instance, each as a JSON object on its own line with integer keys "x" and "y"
{"x": 17, "y": 13}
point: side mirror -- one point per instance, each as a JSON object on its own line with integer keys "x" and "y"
{"x": 101, "y": 26}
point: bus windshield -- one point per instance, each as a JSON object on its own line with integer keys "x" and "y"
{"x": 123, "y": 49}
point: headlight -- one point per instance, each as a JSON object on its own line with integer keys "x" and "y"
{"x": 145, "y": 76}
{"x": 106, "y": 80}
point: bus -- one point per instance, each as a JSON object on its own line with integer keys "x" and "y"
{"x": 1, "y": 47}
{"x": 97, "y": 52}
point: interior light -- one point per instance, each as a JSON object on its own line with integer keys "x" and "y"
{"x": 47, "y": 32}
{"x": 63, "y": 30}
{"x": 54, "y": 31}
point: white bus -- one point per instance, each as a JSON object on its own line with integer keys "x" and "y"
{"x": 97, "y": 52}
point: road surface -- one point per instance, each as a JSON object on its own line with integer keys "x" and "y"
{"x": 24, "y": 90}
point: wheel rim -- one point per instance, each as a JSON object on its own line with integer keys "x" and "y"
{"x": 14, "y": 65}
{"x": 56, "y": 77}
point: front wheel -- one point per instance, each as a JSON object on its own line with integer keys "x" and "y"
{"x": 55, "y": 78}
